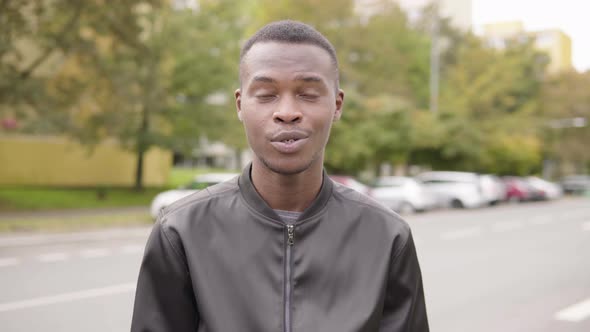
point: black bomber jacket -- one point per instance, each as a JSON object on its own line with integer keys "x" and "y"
{"x": 221, "y": 260}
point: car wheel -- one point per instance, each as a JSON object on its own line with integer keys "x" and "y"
{"x": 457, "y": 204}
{"x": 406, "y": 208}
{"x": 515, "y": 200}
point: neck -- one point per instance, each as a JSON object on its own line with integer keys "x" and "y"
{"x": 287, "y": 192}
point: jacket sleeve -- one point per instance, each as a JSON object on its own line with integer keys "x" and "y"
{"x": 164, "y": 298}
{"x": 405, "y": 308}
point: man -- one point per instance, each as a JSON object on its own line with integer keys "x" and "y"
{"x": 282, "y": 247}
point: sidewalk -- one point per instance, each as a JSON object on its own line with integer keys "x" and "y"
{"x": 72, "y": 213}
{"x": 36, "y": 239}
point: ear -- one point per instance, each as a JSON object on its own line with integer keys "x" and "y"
{"x": 339, "y": 103}
{"x": 238, "y": 95}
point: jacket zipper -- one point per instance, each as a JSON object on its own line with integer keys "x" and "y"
{"x": 288, "y": 286}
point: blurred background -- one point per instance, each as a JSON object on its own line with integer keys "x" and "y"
{"x": 468, "y": 117}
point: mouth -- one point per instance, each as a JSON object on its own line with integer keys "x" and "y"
{"x": 289, "y": 136}
{"x": 289, "y": 141}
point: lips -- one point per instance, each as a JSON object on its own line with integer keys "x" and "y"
{"x": 289, "y": 141}
{"x": 291, "y": 135}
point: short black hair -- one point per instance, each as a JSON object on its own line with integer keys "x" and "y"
{"x": 291, "y": 32}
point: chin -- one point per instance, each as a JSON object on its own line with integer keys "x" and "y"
{"x": 287, "y": 166}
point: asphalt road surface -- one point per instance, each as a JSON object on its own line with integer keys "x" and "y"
{"x": 502, "y": 269}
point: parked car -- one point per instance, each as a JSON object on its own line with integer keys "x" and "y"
{"x": 492, "y": 188}
{"x": 517, "y": 189}
{"x": 544, "y": 189}
{"x": 200, "y": 182}
{"x": 351, "y": 182}
{"x": 403, "y": 194}
{"x": 455, "y": 189}
{"x": 576, "y": 184}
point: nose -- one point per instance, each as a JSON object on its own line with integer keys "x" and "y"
{"x": 287, "y": 112}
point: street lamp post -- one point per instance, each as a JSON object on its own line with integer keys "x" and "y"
{"x": 434, "y": 59}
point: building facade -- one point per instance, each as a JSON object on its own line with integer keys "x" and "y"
{"x": 553, "y": 42}
{"x": 458, "y": 11}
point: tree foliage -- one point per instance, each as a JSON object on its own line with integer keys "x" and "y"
{"x": 154, "y": 74}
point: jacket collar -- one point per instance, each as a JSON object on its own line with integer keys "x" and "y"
{"x": 253, "y": 198}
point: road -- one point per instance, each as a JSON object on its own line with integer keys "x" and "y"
{"x": 503, "y": 269}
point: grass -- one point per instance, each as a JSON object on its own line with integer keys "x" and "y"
{"x": 39, "y": 199}
{"x": 35, "y": 199}
{"x": 27, "y": 205}
{"x": 181, "y": 176}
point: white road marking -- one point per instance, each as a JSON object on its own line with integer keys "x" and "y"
{"x": 32, "y": 240}
{"x": 53, "y": 257}
{"x": 94, "y": 252}
{"x": 575, "y": 313}
{"x": 586, "y": 226}
{"x": 461, "y": 233}
{"x": 507, "y": 226}
{"x": 540, "y": 220}
{"x": 68, "y": 297}
{"x": 132, "y": 249}
{"x": 9, "y": 261}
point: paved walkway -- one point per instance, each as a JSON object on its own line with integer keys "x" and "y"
{"x": 73, "y": 213}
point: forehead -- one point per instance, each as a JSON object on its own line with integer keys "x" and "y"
{"x": 285, "y": 58}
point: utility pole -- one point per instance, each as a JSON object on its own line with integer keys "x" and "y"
{"x": 434, "y": 59}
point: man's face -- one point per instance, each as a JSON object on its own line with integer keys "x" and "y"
{"x": 288, "y": 102}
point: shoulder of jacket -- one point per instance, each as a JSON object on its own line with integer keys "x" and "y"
{"x": 228, "y": 187}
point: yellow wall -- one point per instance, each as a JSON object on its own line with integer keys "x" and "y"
{"x": 558, "y": 46}
{"x": 554, "y": 42}
{"x": 503, "y": 29}
{"x": 57, "y": 161}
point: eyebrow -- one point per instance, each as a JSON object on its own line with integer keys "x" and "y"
{"x": 308, "y": 78}
{"x": 264, "y": 79}
{"x": 304, "y": 78}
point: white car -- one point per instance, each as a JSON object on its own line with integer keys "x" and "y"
{"x": 546, "y": 189}
{"x": 455, "y": 189}
{"x": 203, "y": 181}
{"x": 403, "y": 194}
{"x": 493, "y": 189}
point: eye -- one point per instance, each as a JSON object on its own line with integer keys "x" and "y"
{"x": 265, "y": 97}
{"x": 309, "y": 96}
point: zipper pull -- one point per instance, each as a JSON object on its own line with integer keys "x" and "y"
{"x": 290, "y": 235}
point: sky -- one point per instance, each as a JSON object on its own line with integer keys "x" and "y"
{"x": 570, "y": 16}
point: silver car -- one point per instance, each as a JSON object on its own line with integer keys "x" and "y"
{"x": 203, "y": 181}
{"x": 403, "y": 194}
{"x": 455, "y": 189}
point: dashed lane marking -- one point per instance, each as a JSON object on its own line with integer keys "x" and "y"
{"x": 461, "y": 233}
{"x": 94, "y": 252}
{"x": 541, "y": 220}
{"x": 507, "y": 226}
{"x": 68, "y": 297}
{"x": 131, "y": 249}
{"x": 35, "y": 240}
{"x": 86, "y": 253}
{"x": 575, "y": 313}
{"x": 9, "y": 261}
{"x": 53, "y": 257}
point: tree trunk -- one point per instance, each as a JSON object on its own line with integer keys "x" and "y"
{"x": 142, "y": 146}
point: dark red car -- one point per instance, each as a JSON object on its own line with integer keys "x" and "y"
{"x": 517, "y": 190}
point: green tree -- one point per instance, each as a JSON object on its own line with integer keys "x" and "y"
{"x": 486, "y": 97}
{"x": 139, "y": 71}
{"x": 565, "y": 112}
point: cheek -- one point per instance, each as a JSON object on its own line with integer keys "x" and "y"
{"x": 254, "y": 125}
